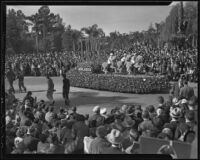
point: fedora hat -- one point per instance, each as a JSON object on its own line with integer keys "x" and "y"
{"x": 96, "y": 109}
{"x": 128, "y": 122}
{"x": 103, "y": 110}
{"x": 115, "y": 137}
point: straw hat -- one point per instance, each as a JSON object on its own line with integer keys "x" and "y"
{"x": 115, "y": 137}
{"x": 96, "y": 109}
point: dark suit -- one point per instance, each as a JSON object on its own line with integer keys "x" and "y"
{"x": 186, "y": 92}
{"x": 66, "y": 87}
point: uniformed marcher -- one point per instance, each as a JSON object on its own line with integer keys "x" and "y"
{"x": 50, "y": 89}
{"x": 20, "y": 77}
{"x": 66, "y": 88}
{"x": 10, "y": 77}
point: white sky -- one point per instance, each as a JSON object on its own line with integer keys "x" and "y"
{"x": 110, "y": 18}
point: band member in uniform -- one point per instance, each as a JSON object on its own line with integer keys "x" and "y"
{"x": 20, "y": 77}
{"x": 66, "y": 88}
{"x": 50, "y": 89}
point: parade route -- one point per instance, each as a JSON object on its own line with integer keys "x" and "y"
{"x": 86, "y": 99}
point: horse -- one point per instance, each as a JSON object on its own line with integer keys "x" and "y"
{"x": 109, "y": 67}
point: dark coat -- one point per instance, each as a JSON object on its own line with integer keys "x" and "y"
{"x": 186, "y": 92}
{"x": 30, "y": 141}
{"x": 66, "y": 85}
{"x": 99, "y": 119}
{"x": 145, "y": 125}
{"x": 57, "y": 149}
{"x": 98, "y": 146}
{"x": 112, "y": 150}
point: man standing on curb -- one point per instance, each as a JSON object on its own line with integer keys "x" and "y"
{"x": 50, "y": 89}
{"x": 66, "y": 88}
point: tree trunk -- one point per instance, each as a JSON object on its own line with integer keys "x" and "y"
{"x": 36, "y": 39}
{"x": 74, "y": 46}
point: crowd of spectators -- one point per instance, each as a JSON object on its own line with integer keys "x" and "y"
{"x": 36, "y": 127}
{"x": 55, "y": 63}
{"x": 168, "y": 61}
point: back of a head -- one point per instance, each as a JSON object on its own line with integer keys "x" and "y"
{"x": 101, "y": 132}
{"x": 160, "y": 99}
{"x": 145, "y": 115}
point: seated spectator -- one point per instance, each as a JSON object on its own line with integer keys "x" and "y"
{"x": 50, "y": 115}
{"x": 99, "y": 144}
{"x": 115, "y": 138}
{"x": 30, "y": 140}
{"x": 146, "y": 124}
{"x": 134, "y": 147}
{"x": 80, "y": 130}
{"x": 55, "y": 147}
{"x": 43, "y": 146}
{"x": 97, "y": 116}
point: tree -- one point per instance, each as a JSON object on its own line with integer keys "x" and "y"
{"x": 17, "y": 31}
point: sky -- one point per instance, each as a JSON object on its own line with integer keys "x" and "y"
{"x": 124, "y": 19}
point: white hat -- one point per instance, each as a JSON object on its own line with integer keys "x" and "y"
{"x": 184, "y": 101}
{"x": 17, "y": 141}
{"x": 8, "y": 119}
{"x": 96, "y": 109}
{"x": 103, "y": 110}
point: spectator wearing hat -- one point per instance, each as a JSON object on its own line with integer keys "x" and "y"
{"x": 128, "y": 123}
{"x": 115, "y": 138}
{"x": 99, "y": 144}
{"x": 186, "y": 92}
{"x": 50, "y": 115}
{"x": 50, "y": 89}
{"x": 118, "y": 122}
{"x": 66, "y": 88}
{"x": 103, "y": 112}
{"x": 18, "y": 146}
{"x": 99, "y": 119}
{"x": 175, "y": 114}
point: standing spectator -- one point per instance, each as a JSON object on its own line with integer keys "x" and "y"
{"x": 50, "y": 89}
{"x": 66, "y": 88}
{"x": 186, "y": 92}
{"x": 176, "y": 88}
{"x": 99, "y": 144}
{"x": 20, "y": 77}
{"x": 29, "y": 97}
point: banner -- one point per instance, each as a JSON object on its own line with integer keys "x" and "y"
{"x": 150, "y": 145}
